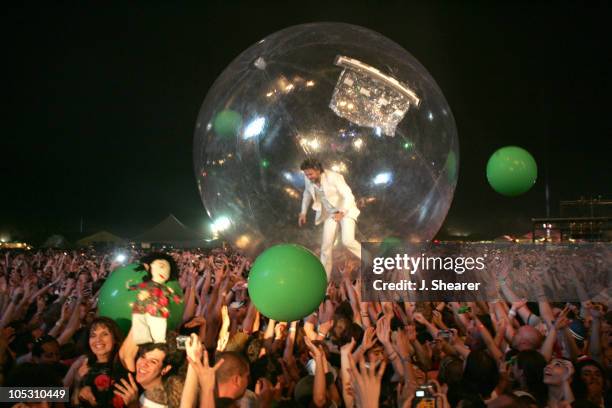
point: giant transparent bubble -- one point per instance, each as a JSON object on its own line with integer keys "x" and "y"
{"x": 346, "y": 95}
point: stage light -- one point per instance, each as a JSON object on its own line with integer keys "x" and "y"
{"x": 220, "y": 224}
{"x": 382, "y": 178}
{"x": 254, "y": 128}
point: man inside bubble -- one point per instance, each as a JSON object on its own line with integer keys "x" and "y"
{"x": 334, "y": 204}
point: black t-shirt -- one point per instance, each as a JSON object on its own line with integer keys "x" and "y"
{"x": 101, "y": 377}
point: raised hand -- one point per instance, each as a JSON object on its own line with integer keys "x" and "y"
{"x": 519, "y": 304}
{"x": 279, "y": 330}
{"x": 366, "y": 381}
{"x": 347, "y": 348}
{"x": 383, "y": 330}
{"x": 195, "y": 322}
{"x": 326, "y": 312}
{"x": 405, "y": 392}
{"x": 440, "y": 394}
{"x": 193, "y": 348}
{"x": 369, "y": 338}
{"x": 418, "y": 316}
{"x": 127, "y": 390}
{"x": 402, "y": 341}
{"x": 562, "y": 321}
{"x": 206, "y": 373}
{"x": 83, "y": 369}
{"x": 315, "y": 352}
{"x": 265, "y": 392}
{"x": 437, "y": 319}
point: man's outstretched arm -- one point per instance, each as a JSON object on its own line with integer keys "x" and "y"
{"x": 306, "y": 200}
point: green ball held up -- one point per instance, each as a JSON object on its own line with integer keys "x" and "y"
{"x": 512, "y": 171}
{"x": 287, "y": 282}
{"x": 115, "y": 299}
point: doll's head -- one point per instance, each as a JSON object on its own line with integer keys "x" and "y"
{"x": 160, "y": 267}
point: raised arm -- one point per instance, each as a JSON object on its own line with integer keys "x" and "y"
{"x": 128, "y": 351}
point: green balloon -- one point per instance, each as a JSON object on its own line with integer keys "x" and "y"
{"x": 287, "y": 282}
{"x": 389, "y": 245}
{"x": 512, "y": 171}
{"x": 451, "y": 167}
{"x": 115, "y": 298}
{"x": 227, "y": 123}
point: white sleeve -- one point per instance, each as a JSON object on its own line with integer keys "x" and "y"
{"x": 306, "y": 197}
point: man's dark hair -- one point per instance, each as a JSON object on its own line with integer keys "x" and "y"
{"x": 148, "y": 259}
{"x": 311, "y": 163}
{"x": 233, "y": 364}
{"x": 579, "y": 387}
{"x": 173, "y": 357}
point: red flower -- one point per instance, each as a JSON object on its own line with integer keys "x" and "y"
{"x": 142, "y": 285}
{"x": 163, "y": 301}
{"x": 176, "y": 299}
{"x": 151, "y": 309}
{"x": 165, "y": 314}
{"x": 118, "y": 402}
{"x": 102, "y": 382}
{"x": 157, "y": 292}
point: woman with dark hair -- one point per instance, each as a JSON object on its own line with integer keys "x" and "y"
{"x": 590, "y": 383}
{"x": 528, "y": 373}
{"x": 480, "y": 374}
{"x": 97, "y": 371}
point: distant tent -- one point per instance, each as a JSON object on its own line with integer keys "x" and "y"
{"x": 100, "y": 238}
{"x": 172, "y": 232}
{"x": 56, "y": 241}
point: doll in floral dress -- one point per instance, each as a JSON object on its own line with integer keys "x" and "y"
{"x": 150, "y": 310}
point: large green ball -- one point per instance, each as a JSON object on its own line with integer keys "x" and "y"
{"x": 512, "y": 171}
{"x": 115, "y": 298}
{"x": 287, "y": 282}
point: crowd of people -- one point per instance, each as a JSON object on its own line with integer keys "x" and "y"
{"x": 504, "y": 353}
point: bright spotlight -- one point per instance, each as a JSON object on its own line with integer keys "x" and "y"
{"x": 382, "y": 178}
{"x": 254, "y": 128}
{"x": 221, "y": 224}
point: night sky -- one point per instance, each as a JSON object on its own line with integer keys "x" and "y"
{"x": 101, "y": 102}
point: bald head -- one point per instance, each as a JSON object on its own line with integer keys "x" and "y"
{"x": 527, "y": 338}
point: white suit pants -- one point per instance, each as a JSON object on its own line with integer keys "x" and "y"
{"x": 148, "y": 329}
{"x": 330, "y": 227}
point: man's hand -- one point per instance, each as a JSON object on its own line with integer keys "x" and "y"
{"x": 366, "y": 381}
{"x": 301, "y": 220}
{"x": 195, "y": 322}
{"x": 86, "y": 394}
{"x": 128, "y": 391}
{"x": 338, "y": 216}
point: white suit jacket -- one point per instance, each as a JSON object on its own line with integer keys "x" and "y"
{"x": 337, "y": 192}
